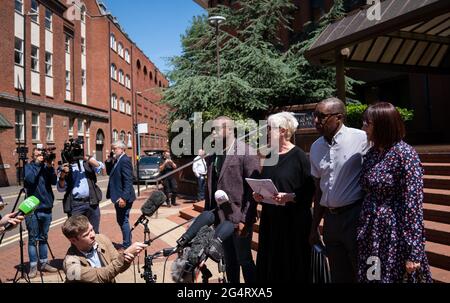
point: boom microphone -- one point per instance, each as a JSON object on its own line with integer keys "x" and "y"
{"x": 150, "y": 206}
{"x": 27, "y": 207}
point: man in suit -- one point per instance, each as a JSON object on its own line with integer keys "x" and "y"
{"x": 120, "y": 189}
{"x": 227, "y": 171}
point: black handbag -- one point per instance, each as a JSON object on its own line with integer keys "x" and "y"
{"x": 320, "y": 268}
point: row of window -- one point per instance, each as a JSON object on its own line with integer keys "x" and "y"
{"x": 123, "y": 107}
{"x": 19, "y": 57}
{"x": 121, "y": 51}
{"x": 34, "y": 13}
{"x": 127, "y": 138}
{"x": 83, "y": 45}
{"x": 68, "y": 83}
{"x": 120, "y": 77}
{"x": 35, "y": 126}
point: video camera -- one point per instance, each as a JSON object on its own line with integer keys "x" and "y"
{"x": 73, "y": 151}
{"x": 48, "y": 153}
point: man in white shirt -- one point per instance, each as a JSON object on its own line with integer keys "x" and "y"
{"x": 199, "y": 169}
{"x": 336, "y": 162}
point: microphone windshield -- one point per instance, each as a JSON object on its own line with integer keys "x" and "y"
{"x": 152, "y": 204}
{"x": 29, "y": 205}
{"x": 221, "y": 197}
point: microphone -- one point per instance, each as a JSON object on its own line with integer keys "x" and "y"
{"x": 223, "y": 202}
{"x": 150, "y": 206}
{"x": 27, "y": 207}
{"x": 223, "y": 231}
{"x": 206, "y": 218}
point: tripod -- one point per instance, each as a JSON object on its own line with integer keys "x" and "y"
{"x": 21, "y": 266}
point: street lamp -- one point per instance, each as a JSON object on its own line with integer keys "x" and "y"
{"x": 216, "y": 21}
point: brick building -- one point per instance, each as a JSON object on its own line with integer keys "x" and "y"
{"x": 67, "y": 70}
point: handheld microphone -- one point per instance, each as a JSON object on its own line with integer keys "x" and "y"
{"x": 223, "y": 202}
{"x": 150, "y": 206}
{"x": 27, "y": 207}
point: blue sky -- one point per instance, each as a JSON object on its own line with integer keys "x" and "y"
{"x": 155, "y": 25}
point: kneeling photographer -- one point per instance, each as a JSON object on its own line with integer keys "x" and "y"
{"x": 39, "y": 177}
{"x": 78, "y": 179}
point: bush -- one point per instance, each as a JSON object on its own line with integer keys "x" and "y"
{"x": 355, "y": 114}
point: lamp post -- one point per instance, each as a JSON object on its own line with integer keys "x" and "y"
{"x": 216, "y": 21}
{"x": 138, "y": 142}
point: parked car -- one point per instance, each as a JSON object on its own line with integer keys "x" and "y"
{"x": 148, "y": 168}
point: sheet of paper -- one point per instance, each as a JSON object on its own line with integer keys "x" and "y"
{"x": 265, "y": 188}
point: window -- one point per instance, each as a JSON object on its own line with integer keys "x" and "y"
{"x": 122, "y": 136}
{"x": 71, "y": 124}
{"x": 19, "y": 124}
{"x": 48, "y": 64}
{"x": 67, "y": 44}
{"x": 120, "y": 49}
{"x": 113, "y": 71}
{"x": 80, "y": 127}
{"x": 127, "y": 56}
{"x": 127, "y": 82}
{"x": 83, "y": 14}
{"x": 121, "y": 77}
{"x": 35, "y": 126}
{"x": 67, "y": 80}
{"x": 114, "y": 101}
{"x": 83, "y": 77}
{"x": 151, "y": 76}
{"x": 115, "y": 135}
{"x": 83, "y": 46}
{"x": 122, "y": 105}
{"x": 128, "y": 108}
{"x": 113, "y": 42}
{"x": 130, "y": 140}
{"x": 138, "y": 64}
{"x": 34, "y": 11}
{"x": 18, "y": 51}
{"x": 49, "y": 127}
{"x": 19, "y": 6}
{"x": 48, "y": 19}
{"x": 145, "y": 71}
{"x": 35, "y": 58}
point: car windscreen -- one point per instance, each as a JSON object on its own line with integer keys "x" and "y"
{"x": 149, "y": 161}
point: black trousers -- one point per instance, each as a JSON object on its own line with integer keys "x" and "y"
{"x": 339, "y": 235}
{"x": 170, "y": 190}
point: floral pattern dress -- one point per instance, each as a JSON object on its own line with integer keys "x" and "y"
{"x": 391, "y": 224}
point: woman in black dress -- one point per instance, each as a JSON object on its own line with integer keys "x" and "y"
{"x": 284, "y": 253}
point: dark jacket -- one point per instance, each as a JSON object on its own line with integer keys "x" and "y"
{"x": 242, "y": 162}
{"x": 95, "y": 193}
{"x": 121, "y": 181}
{"x": 38, "y": 182}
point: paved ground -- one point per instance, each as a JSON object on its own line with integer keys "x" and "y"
{"x": 163, "y": 220}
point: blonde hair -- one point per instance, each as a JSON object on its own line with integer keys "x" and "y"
{"x": 284, "y": 120}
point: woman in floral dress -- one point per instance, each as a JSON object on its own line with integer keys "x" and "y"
{"x": 391, "y": 229}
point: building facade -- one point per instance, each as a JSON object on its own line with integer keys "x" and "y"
{"x": 67, "y": 71}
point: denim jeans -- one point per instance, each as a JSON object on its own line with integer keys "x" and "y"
{"x": 91, "y": 212}
{"x": 38, "y": 225}
{"x": 238, "y": 253}
{"x": 201, "y": 187}
{"x": 122, "y": 216}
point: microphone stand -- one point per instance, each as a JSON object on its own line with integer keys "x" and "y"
{"x": 21, "y": 266}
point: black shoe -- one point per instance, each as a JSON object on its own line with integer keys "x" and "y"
{"x": 175, "y": 204}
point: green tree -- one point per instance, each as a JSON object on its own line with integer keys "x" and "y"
{"x": 258, "y": 72}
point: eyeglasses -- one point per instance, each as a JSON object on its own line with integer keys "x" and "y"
{"x": 321, "y": 116}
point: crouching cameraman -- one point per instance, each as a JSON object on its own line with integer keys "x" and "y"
{"x": 78, "y": 179}
{"x": 39, "y": 177}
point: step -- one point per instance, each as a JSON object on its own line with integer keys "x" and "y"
{"x": 442, "y": 169}
{"x": 437, "y": 182}
{"x": 436, "y": 213}
{"x": 437, "y": 232}
{"x": 188, "y": 213}
{"x": 440, "y": 275}
{"x": 438, "y": 255}
{"x": 437, "y": 196}
{"x": 439, "y": 157}
{"x": 199, "y": 207}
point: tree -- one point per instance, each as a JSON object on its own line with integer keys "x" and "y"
{"x": 258, "y": 72}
